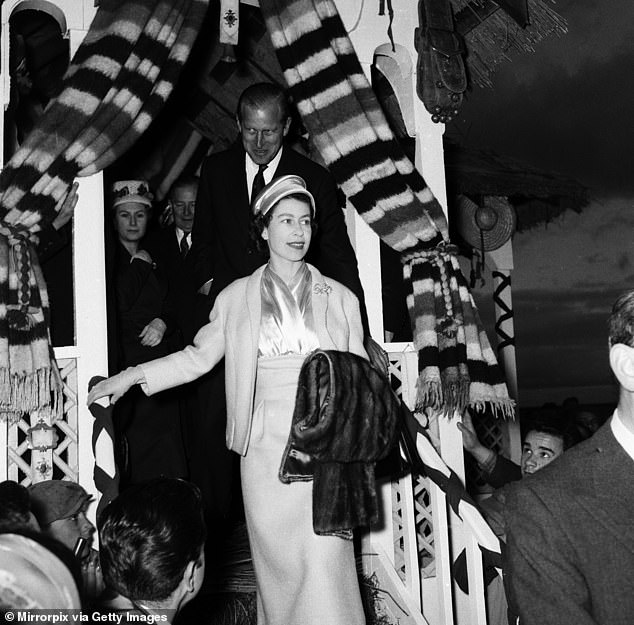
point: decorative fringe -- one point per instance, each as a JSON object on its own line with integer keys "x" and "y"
{"x": 491, "y": 41}
{"x": 21, "y": 394}
{"x": 483, "y": 397}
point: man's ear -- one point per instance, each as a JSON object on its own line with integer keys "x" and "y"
{"x": 189, "y": 576}
{"x": 287, "y": 125}
{"x": 238, "y": 124}
{"x": 622, "y": 364}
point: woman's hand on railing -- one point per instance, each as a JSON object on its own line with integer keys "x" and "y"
{"x": 116, "y": 386}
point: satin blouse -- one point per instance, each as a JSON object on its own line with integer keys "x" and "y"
{"x": 287, "y": 325}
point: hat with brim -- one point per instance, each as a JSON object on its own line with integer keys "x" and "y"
{"x": 277, "y": 190}
{"x": 131, "y": 191}
{"x": 53, "y": 500}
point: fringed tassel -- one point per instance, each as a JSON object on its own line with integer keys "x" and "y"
{"x": 456, "y": 395}
{"x": 429, "y": 393}
{"x": 501, "y": 408}
{"x": 40, "y": 391}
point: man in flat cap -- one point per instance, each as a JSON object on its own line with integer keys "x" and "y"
{"x": 60, "y": 508}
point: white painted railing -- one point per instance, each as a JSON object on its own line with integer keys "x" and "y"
{"x": 409, "y": 556}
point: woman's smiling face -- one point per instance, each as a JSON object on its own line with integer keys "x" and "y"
{"x": 289, "y": 231}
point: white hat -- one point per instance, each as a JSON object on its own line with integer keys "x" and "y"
{"x": 125, "y": 191}
{"x": 278, "y": 189}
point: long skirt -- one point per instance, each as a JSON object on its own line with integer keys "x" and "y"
{"x": 302, "y": 578}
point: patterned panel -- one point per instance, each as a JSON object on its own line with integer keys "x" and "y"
{"x": 423, "y": 517}
{"x": 398, "y": 528}
{"x": 424, "y": 527}
{"x": 27, "y": 465}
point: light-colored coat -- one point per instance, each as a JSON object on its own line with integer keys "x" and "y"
{"x": 233, "y": 332}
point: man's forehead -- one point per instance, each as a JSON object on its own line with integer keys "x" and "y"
{"x": 183, "y": 190}
{"x": 267, "y": 110}
{"x": 537, "y": 439}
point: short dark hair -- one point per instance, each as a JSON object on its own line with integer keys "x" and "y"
{"x": 184, "y": 181}
{"x": 621, "y": 321}
{"x": 259, "y": 222}
{"x": 262, "y": 94}
{"x": 553, "y": 430}
{"x": 15, "y": 506}
{"x": 148, "y": 535}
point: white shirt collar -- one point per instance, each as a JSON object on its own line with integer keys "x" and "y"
{"x": 180, "y": 234}
{"x": 252, "y": 169}
{"x": 623, "y": 435}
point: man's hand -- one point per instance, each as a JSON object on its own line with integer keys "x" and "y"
{"x": 91, "y": 575}
{"x": 66, "y": 207}
{"x": 470, "y": 440}
{"x": 153, "y": 333}
{"x": 116, "y": 386}
{"x": 378, "y": 356}
{"x": 166, "y": 218}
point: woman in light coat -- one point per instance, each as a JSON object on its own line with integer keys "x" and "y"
{"x": 265, "y": 325}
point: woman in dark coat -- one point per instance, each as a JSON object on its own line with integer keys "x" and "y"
{"x": 149, "y": 427}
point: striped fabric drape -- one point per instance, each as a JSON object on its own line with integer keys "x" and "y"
{"x": 457, "y": 366}
{"x": 118, "y": 80}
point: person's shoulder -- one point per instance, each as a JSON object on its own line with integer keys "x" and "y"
{"x": 231, "y": 290}
{"x": 568, "y": 477}
{"x": 329, "y": 285}
{"x": 303, "y": 163}
{"x": 159, "y": 237}
{"x": 238, "y": 287}
{"x": 222, "y": 157}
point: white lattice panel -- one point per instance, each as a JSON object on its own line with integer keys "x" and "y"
{"x": 27, "y": 465}
{"x": 419, "y": 491}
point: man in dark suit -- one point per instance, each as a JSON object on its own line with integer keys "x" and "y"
{"x": 170, "y": 248}
{"x": 570, "y": 528}
{"x": 210, "y": 463}
{"x": 221, "y": 235}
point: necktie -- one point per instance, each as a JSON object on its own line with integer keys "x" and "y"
{"x": 258, "y": 182}
{"x": 184, "y": 246}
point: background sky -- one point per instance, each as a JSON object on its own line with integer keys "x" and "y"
{"x": 568, "y": 108}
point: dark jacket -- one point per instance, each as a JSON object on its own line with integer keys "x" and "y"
{"x": 181, "y": 298}
{"x": 570, "y": 531}
{"x": 220, "y": 236}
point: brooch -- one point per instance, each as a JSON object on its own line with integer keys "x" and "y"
{"x": 322, "y": 289}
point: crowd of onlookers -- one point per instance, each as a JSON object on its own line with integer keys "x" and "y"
{"x": 150, "y": 560}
